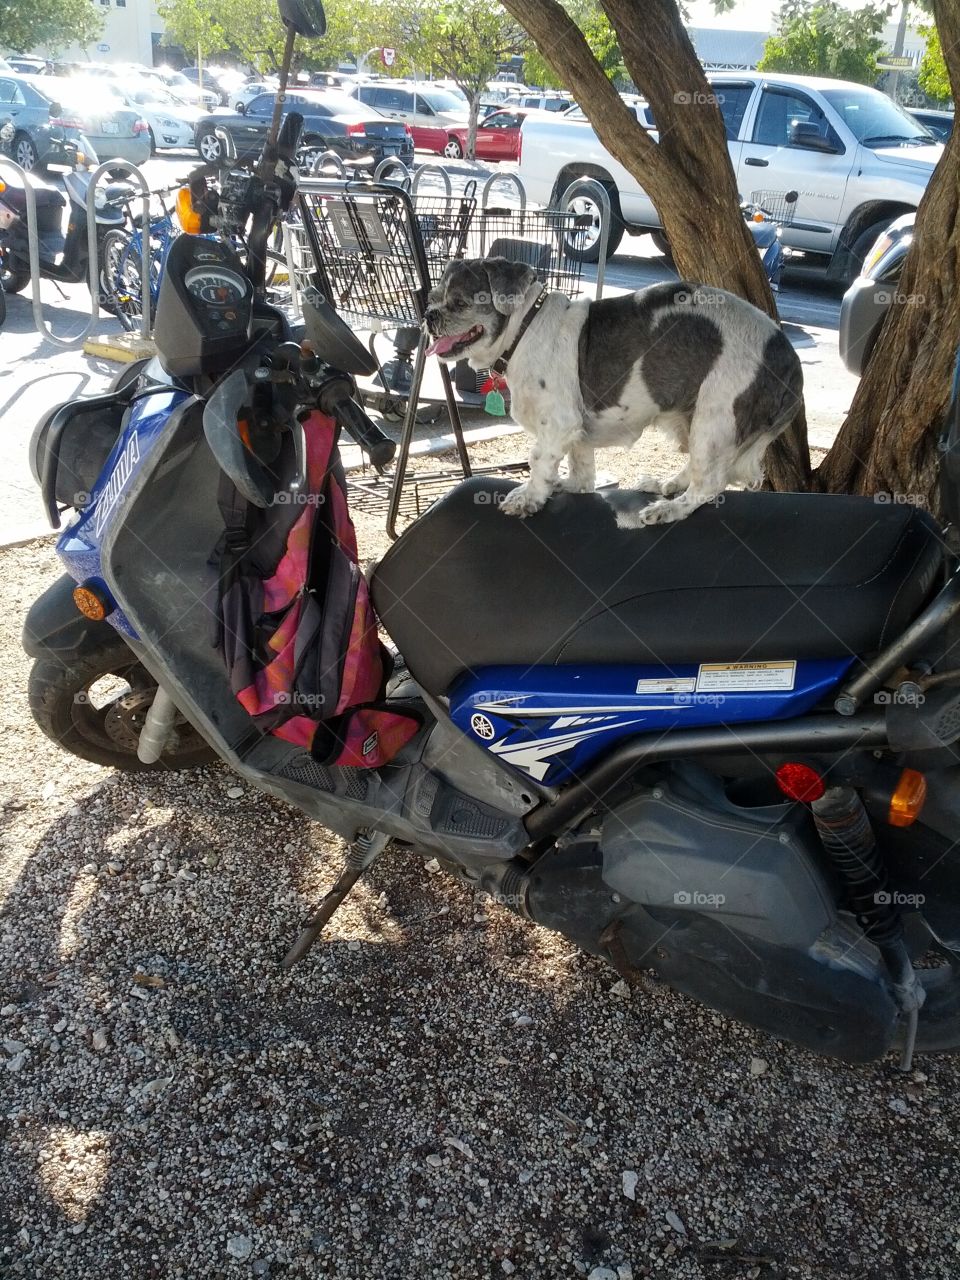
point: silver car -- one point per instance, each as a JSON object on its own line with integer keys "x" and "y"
{"x": 118, "y": 132}
{"x": 867, "y": 301}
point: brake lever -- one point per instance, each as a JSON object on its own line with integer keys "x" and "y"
{"x": 298, "y": 434}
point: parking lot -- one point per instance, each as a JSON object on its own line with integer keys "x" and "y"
{"x": 36, "y": 375}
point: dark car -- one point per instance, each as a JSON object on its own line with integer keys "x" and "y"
{"x": 869, "y": 298}
{"x": 40, "y": 127}
{"x": 331, "y": 122}
{"x": 940, "y": 123}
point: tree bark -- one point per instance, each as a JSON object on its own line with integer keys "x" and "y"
{"x": 686, "y": 173}
{"x": 888, "y": 443}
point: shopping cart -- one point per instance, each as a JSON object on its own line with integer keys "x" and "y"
{"x": 777, "y": 206}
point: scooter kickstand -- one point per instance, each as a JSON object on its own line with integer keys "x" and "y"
{"x": 362, "y": 855}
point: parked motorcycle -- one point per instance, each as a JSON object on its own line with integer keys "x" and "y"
{"x": 723, "y": 750}
{"x": 64, "y": 253}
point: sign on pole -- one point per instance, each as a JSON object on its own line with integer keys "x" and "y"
{"x": 892, "y": 62}
{"x": 388, "y": 57}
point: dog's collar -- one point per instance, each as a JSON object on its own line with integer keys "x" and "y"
{"x": 500, "y": 364}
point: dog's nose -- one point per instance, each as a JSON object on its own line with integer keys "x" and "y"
{"x": 432, "y": 317}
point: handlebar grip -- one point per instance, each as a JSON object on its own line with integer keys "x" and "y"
{"x": 366, "y": 433}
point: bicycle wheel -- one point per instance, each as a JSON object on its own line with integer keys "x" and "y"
{"x": 120, "y": 272}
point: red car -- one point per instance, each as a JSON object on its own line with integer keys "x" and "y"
{"x": 498, "y": 138}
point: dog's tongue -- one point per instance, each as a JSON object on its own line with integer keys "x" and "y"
{"x": 442, "y": 345}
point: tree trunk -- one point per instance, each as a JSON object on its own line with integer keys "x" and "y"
{"x": 473, "y": 99}
{"x": 687, "y": 173}
{"x": 888, "y": 443}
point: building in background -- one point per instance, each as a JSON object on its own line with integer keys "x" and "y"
{"x": 132, "y": 29}
{"x": 725, "y": 49}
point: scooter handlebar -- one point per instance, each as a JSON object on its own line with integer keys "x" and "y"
{"x": 338, "y": 400}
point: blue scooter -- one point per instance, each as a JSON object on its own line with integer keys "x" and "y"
{"x": 723, "y": 750}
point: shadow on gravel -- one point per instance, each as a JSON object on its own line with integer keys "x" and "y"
{"x": 439, "y": 1089}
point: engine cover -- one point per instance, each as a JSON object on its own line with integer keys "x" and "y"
{"x": 729, "y": 905}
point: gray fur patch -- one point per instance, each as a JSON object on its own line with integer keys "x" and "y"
{"x": 623, "y": 333}
{"x": 775, "y": 394}
{"x": 683, "y": 350}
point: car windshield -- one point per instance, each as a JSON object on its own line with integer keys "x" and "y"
{"x": 155, "y": 93}
{"x": 337, "y": 104}
{"x": 89, "y": 95}
{"x": 874, "y": 119}
{"x": 441, "y": 100}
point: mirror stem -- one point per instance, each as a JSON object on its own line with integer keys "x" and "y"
{"x": 267, "y": 165}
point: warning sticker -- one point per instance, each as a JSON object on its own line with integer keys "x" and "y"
{"x": 668, "y": 684}
{"x": 746, "y": 677}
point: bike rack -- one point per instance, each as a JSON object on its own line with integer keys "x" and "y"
{"x": 134, "y": 173}
{"x": 431, "y": 168}
{"x": 387, "y": 166}
{"x": 597, "y": 192}
{"x": 324, "y": 158}
{"x": 93, "y": 267}
{"x": 502, "y": 179}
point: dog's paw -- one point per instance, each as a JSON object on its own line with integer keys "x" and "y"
{"x": 569, "y": 484}
{"x": 665, "y": 512}
{"x": 649, "y": 484}
{"x": 521, "y": 502}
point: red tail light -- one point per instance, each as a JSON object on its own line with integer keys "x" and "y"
{"x": 408, "y": 131}
{"x": 356, "y": 129}
{"x": 800, "y": 781}
{"x": 66, "y": 122}
{"x": 141, "y": 126}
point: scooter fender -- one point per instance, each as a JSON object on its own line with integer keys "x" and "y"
{"x": 55, "y": 627}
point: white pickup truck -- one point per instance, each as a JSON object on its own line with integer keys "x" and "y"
{"x": 855, "y": 161}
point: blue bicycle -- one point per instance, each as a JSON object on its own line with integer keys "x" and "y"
{"x": 121, "y": 263}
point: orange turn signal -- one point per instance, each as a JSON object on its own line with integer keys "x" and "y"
{"x": 91, "y": 602}
{"x": 907, "y": 799}
{"x": 190, "y": 221}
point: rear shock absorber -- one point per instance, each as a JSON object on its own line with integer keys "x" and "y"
{"x": 845, "y": 832}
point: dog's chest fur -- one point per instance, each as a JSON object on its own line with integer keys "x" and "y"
{"x": 618, "y": 365}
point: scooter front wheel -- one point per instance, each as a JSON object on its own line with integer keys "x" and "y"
{"x": 95, "y": 706}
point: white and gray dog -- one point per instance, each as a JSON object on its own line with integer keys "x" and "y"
{"x": 699, "y": 362}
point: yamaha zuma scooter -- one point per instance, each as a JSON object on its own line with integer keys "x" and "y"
{"x": 723, "y": 750}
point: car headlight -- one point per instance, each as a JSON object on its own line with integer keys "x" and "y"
{"x": 876, "y": 253}
{"x": 169, "y": 124}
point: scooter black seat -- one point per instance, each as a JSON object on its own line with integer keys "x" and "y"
{"x": 759, "y": 576}
{"x": 46, "y": 198}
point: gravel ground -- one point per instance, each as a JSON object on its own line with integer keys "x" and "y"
{"x": 440, "y": 1090}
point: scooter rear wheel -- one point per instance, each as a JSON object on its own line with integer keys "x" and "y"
{"x": 13, "y": 279}
{"x": 94, "y": 707}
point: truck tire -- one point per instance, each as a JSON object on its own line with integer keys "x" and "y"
{"x": 586, "y": 246}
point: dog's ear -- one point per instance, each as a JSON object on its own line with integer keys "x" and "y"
{"x": 509, "y": 281}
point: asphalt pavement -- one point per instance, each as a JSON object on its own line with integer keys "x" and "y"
{"x": 35, "y": 374}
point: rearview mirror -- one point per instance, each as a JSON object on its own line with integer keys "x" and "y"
{"x": 306, "y": 17}
{"x": 806, "y": 134}
{"x": 241, "y": 108}
{"x": 56, "y": 109}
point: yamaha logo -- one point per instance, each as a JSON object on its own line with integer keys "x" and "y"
{"x": 482, "y": 727}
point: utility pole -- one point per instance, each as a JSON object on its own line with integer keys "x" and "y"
{"x": 898, "y": 47}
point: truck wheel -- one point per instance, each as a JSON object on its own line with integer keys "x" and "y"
{"x": 583, "y": 243}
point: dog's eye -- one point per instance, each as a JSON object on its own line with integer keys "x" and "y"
{"x": 458, "y": 304}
